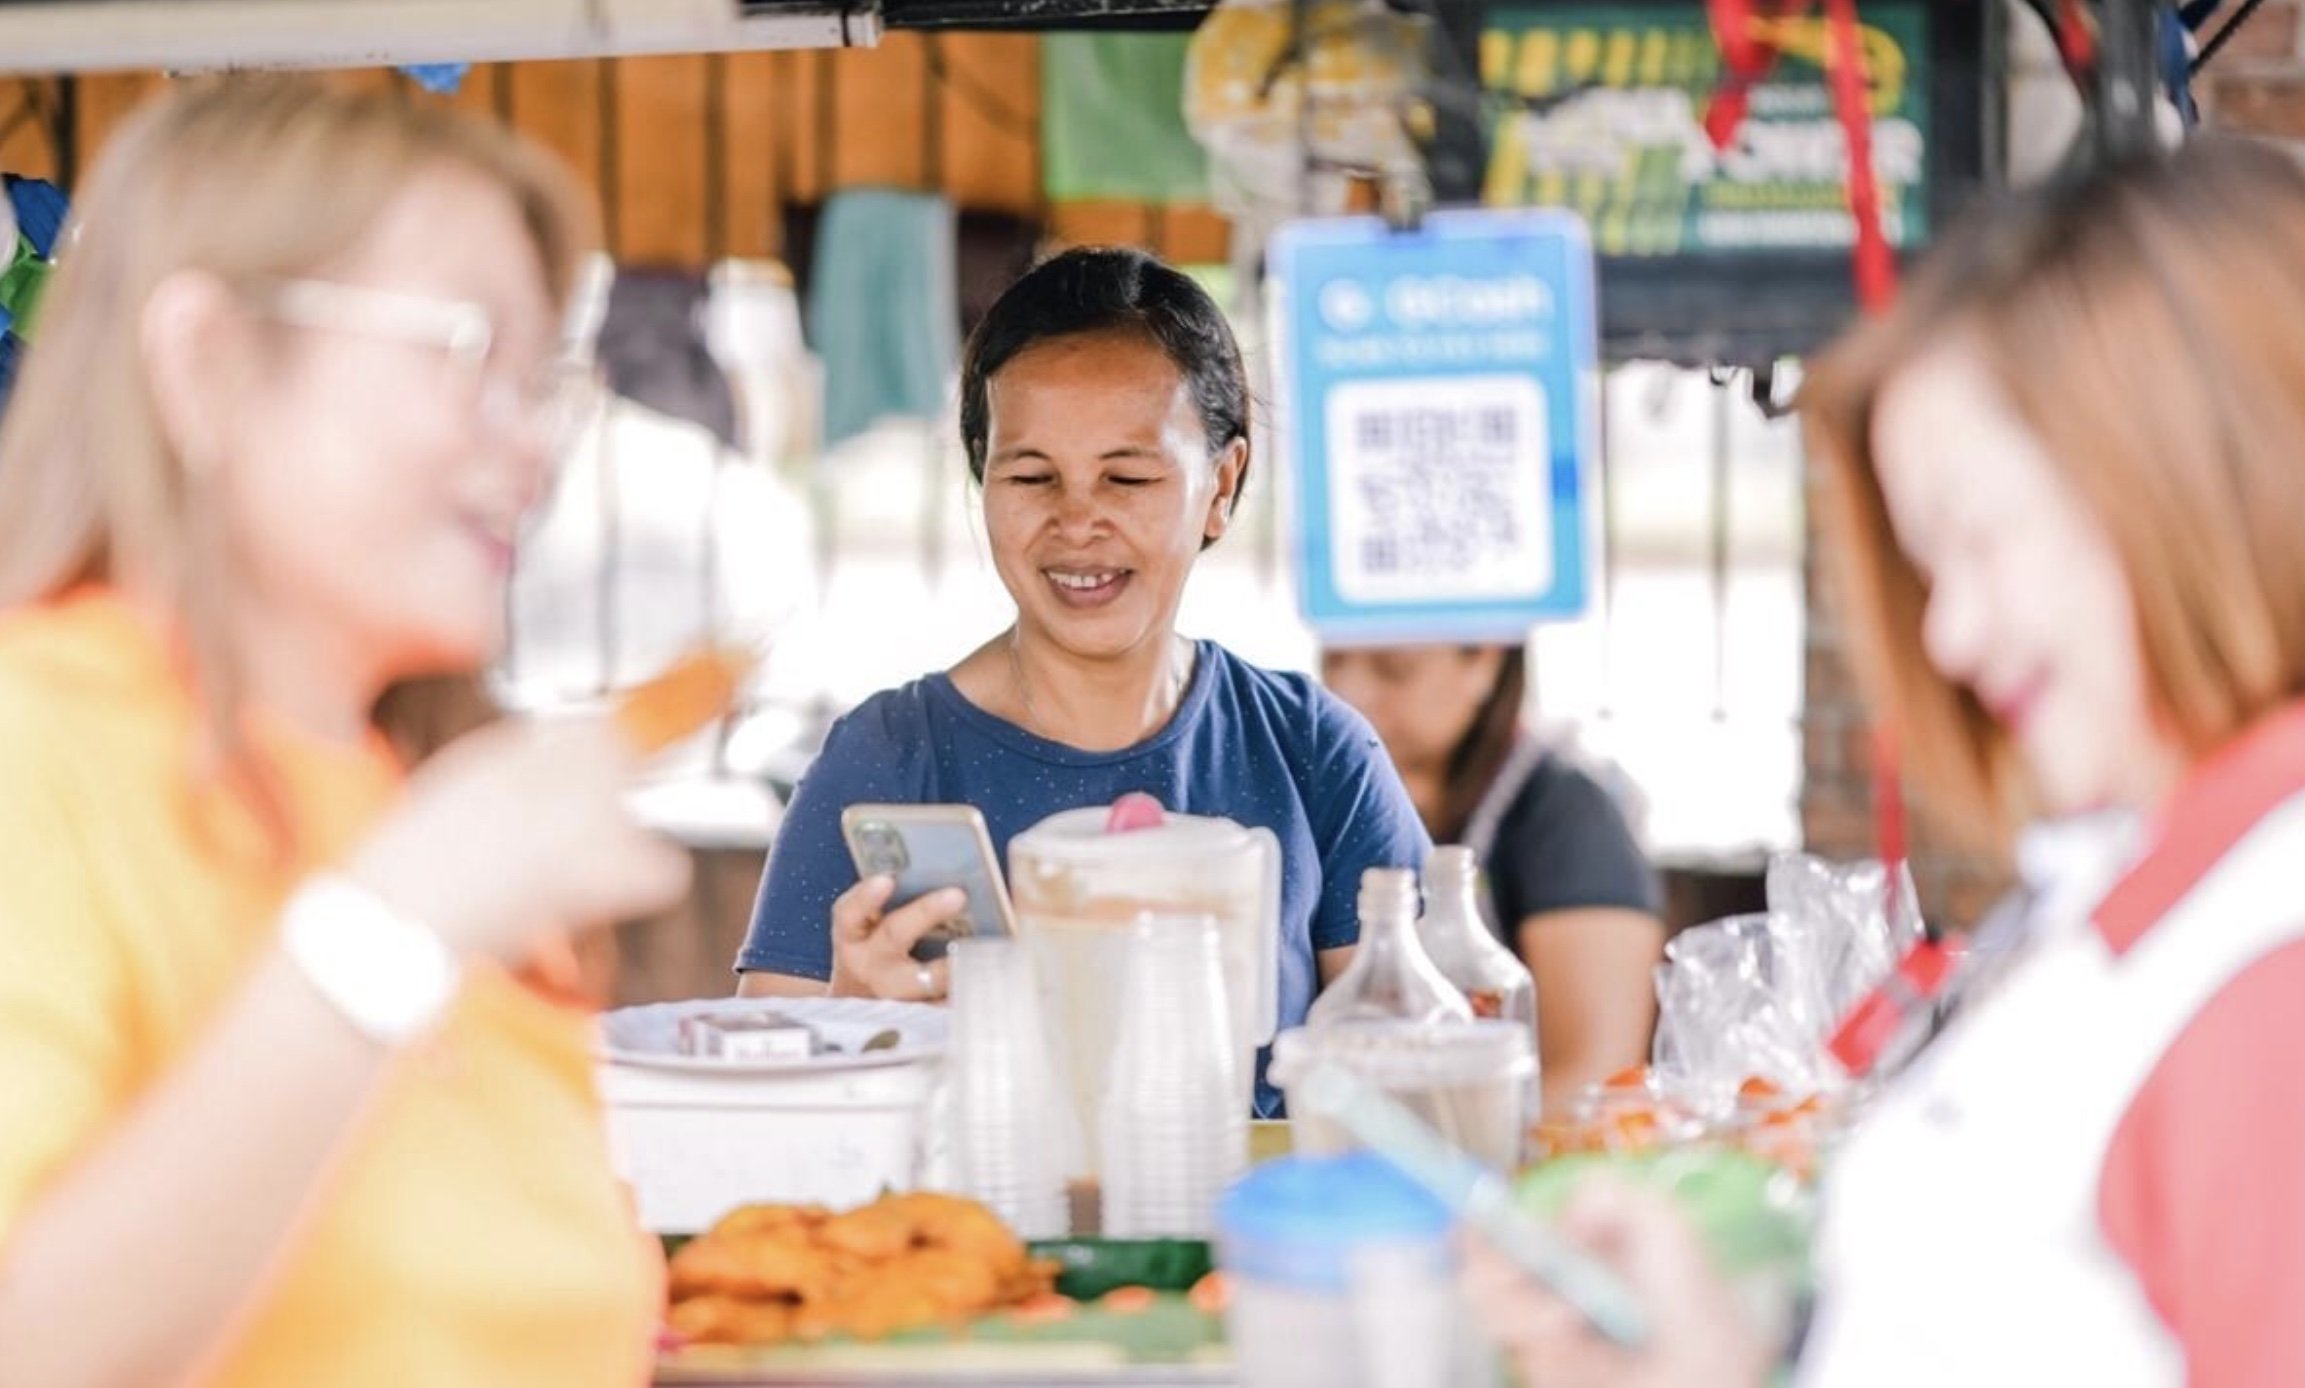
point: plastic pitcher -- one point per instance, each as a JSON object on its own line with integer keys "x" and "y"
{"x": 1079, "y": 888}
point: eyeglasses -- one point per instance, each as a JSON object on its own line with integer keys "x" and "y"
{"x": 553, "y": 399}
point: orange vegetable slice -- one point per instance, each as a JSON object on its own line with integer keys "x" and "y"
{"x": 696, "y": 689}
{"x": 1758, "y": 1088}
{"x": 1129, "y": 1301}
{"x": 1212, "y": 1294}
{"x": 1631, "y": 1077}
{"x": 1048, "y": 1308}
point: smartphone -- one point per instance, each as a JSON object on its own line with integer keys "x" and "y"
{"x": 927, "y": 848}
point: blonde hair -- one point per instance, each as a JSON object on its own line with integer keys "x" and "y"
{"x": 2147, "y": 323}
{"x": 242, "y": 178}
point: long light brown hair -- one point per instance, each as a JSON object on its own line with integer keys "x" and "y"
{"x": 243, "y": 178}
{"x": 2147, "y": 323}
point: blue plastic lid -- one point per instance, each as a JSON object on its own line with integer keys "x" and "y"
{"x": 1294, "y": 1221}
{"x": 1330, "y": 1201}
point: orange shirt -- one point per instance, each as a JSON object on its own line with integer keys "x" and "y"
{"x": 475, "y": 1233}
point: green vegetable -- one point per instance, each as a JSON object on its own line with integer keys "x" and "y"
{"x": 1092, "y": 1267}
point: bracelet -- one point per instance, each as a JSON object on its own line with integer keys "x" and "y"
{"x": 390, "y": 976}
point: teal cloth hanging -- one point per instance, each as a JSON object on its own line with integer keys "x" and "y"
{"x": 883, "y": 308}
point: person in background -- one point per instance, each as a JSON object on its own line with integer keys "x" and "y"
{"x": 274, "y": 1108}
{"x": 1569, "y": 889}
{"x": 1106, "y": 413}
{"x": 2064, "y": 490}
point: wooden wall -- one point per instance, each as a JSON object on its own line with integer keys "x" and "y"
{"x": 695, "y": 157}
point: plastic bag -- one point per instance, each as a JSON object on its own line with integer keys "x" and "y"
{"x": 1756, "y": 997}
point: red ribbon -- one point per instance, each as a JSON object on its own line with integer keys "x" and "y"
{"x": 1876, "y": 263}
{"x": 1748, "y": 58}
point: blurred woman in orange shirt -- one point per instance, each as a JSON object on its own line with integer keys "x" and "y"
{"x": 273, "y": 1108}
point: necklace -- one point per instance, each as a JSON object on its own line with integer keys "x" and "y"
{"x": 1178, "y": 676}
{"x": 1023, "y": 690}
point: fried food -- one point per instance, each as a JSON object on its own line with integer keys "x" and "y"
{"x": 774, "y": 1263}
{"x": 696, "y": 689}
{"x": 728, "y": 1320}
{"x": 768, "y": 1273}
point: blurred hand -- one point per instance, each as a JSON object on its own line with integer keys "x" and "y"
{"x": 515, "y": 832}
{"x": 1698, "y": 1336}
{"x": 872, "y": 951}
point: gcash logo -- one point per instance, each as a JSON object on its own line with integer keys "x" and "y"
{"x": 1419, "y": 301}
{"x": 1346, "y": 306}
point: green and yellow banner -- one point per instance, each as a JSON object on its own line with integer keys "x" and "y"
{"x": 1616, "y": 129}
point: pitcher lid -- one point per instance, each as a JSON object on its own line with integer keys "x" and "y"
{"x": 1081, "y": 836}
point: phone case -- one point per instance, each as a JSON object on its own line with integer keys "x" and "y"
{"x": 927, "y": 848}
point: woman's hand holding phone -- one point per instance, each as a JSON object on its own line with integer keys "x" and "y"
{"x": 928, "y": 873}
{"x": 872, "y": 946}
{"x": 1700, "y": 1337}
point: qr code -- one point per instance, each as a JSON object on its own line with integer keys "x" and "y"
{"x": 1439, "y": 489}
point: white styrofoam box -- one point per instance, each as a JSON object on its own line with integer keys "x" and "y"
{"x": 697, "y": 1138}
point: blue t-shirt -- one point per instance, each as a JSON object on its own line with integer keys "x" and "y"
{"x": 1267, "y": 750}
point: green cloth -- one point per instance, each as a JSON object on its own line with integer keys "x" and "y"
{"x": 1112, "y": 120}
{"x": 883, "y": 308}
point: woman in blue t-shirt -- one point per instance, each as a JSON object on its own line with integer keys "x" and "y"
{"x": 1105, "y": 413}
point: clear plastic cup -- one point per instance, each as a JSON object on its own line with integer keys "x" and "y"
{"x": 1171, "y": 1125}
{"x": 1010, "y": 1130}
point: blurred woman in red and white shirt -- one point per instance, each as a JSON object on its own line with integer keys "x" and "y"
{"x": 2068, "y": 494}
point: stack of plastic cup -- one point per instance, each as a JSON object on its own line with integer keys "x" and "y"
{"x": 1012, "y": 1136}
{"x": 1173, "y": 1129}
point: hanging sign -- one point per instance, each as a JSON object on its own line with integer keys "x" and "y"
{"x": 1437, "y": 409}
{"x": 1617, "y": 130}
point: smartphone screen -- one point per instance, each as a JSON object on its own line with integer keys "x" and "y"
{"x": 928, "y": 848}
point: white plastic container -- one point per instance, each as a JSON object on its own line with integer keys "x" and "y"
{"x": 1343, "y": 1276}
{"x": 1472, "y": 1082}
{"x": 695, "y": 1138}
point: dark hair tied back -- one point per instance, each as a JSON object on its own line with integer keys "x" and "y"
{"x": 1107, "y": 289}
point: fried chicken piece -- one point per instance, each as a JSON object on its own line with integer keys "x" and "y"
{"x": 924, "y": 1287}
{"x": 925, "y": 1219}
{"x": 874, "y": 1233}
{"x": 959, "y": 1281}
{"x": 778, "y": 1262}
{"x": 964, "y": 1226}
{"x": 728, "y": 1320}
{"x": 903, "y": 1262}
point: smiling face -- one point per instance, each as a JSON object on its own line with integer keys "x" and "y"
{"x": 2028, "y": 604}
{"x": 372, "y": 484}
{"x": 1099, "y": 490}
